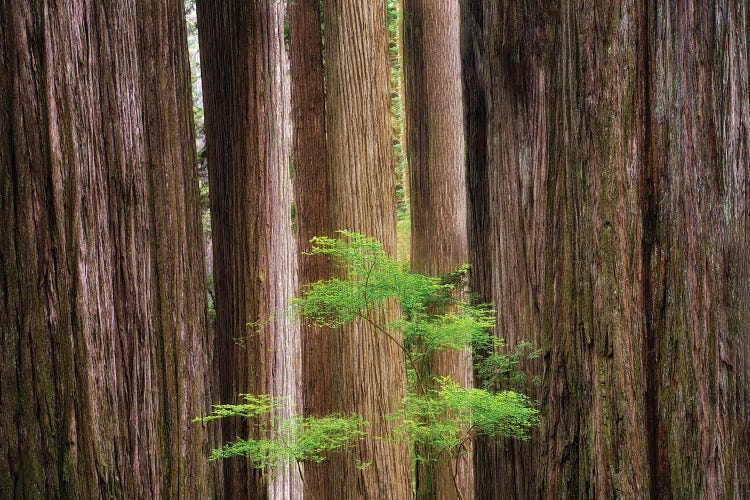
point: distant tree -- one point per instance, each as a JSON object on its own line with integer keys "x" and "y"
{"x": 609, "y": 221}
{"x": 435, "y": 150}
{"x": 103, "y": 324}
{"x": 363, "y": 199}
{"x": 245, "y": 91}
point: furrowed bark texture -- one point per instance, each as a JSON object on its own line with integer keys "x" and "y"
{"x": 312, "y": 210}
{"x": 103, "y": 358}
{"x": 700, "y": 147}
{"x": 435, "y": 149}
{"x": 367, "y": 369}
{"x": 607, "y": 165}
{"x": 245, "y": 89}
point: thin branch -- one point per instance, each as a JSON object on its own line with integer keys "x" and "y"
{"x": 302, "y": 477}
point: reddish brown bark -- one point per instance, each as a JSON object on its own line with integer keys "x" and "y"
{"x": 103, "y": 358}
{"x": 312, "y": 210}
{"x": 245, "y": 85}
{"x": 700, "y": 153}
{"x": 609, "y": 209}
{"x": 367, "y": 369}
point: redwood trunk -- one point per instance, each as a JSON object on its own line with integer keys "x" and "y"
{"x": 245, "y": 90}
{"x": 312, "y": 212}
{"x": 699, "y": 250}
{"x": 608, "y": 148}
{"x": 367, "y": 370}
{"x": 435, "y": 150}
{"x": 103, "y": 358}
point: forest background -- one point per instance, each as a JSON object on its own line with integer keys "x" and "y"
{"x": 589, "y": 160}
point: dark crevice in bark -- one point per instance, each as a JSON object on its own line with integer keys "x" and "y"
{"x": 658, "y": 478}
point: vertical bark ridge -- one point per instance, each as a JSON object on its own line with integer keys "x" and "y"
{"x": 658, "y": 464}
{"x": 645, "y": 119}
{"x": 435, "y": 148}
{"x": 312, "y": 212}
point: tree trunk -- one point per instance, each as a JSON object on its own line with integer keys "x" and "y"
{"x": 312, "y": 212}
{"x": 367, "y": 370}
{"x": 506, "y": 113}
{"x": 609, "y": 232}
{"x": 699, "y": 218}
{"x": 103, "y": 358}
{"x": 435, "y": 149}
{"x": 245, "y": 85}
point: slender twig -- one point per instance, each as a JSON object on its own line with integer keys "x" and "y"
{"x": 302, "y": 477}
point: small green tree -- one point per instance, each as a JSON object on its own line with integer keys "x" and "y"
{"x": 438, "y": 413}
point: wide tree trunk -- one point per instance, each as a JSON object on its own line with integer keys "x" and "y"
{"x": 245, "y": 90}
{"x": 608, "y": 161}
{"x": 699, "y": 249}
{"x": 312, "y": 212}
{"x": 367, "y": 369}
{"x": 104, "y": 350}
{"x": 435, "y": 150}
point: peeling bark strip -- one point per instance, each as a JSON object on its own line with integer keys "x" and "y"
{"x": 367, "y": 371}
{"x": 435, "y": 149}
{"x": 245, "y": 84}
{"x": 103, "y": 355}
{"x": 612, "y": 139}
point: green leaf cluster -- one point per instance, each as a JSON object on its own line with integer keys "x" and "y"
{"x": 370, "y": 277}
{"x": 435, "y": 316}
{"x": 284, "y": 440}
{"x": 448, "y": 415}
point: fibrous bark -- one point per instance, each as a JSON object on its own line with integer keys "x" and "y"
{"x": 245, "y": 90}
{"x": 435, "y": 149}
{"x": 367, "y": 369}
{"x": 608, "y": 171}
{"x": 699, "y": 259}
{"x": 312, "y": 213}
{"x": 103, "y": 358}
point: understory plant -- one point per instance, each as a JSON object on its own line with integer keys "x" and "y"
{"x": 438, "y": 416}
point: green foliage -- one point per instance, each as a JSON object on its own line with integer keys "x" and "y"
{"x": 497, "y": 369}
{"x": 253, "y": 406}
{"x": 448, "y": 415}
{"x": 318, "y": 436}
{"x": 437, "y": 414}
{"x": 434, "y": 317}
{"x": 371, "y": 277}
{"x": 281, "y": 441}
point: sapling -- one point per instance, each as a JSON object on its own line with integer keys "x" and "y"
{"x": 437, "y": 413}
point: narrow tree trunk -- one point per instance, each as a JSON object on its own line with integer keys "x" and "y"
{"x": 609, "y": 232}
{"x": 103, "y": 358}
{"x": 244, "y": 88}
{"x": 312, "y": 212}
{"x": 367, "y": 370}
{"x": 435, "y": 149}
